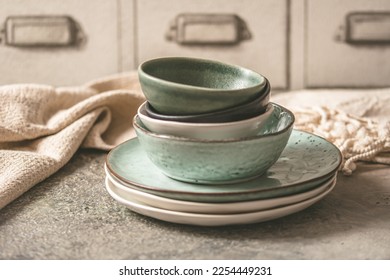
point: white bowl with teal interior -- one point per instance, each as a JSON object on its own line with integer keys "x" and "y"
{"x": 207, "y": 161}
{"x": 222, "y": 130}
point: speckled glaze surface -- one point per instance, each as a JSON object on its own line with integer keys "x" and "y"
{"x": 236, "y": 113}
{"x": 307, "y": 161}
{"x": 225, "y": 130}
{"x": 218, "y": 161}
{"x": 181, "y": 85}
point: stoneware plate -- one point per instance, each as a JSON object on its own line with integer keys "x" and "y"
{"x": 213, "y": 219}
{"x": 307, "y": 161}
{"x": 213, "y": 208}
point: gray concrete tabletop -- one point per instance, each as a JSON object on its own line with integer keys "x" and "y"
{"x": 70, "y": 215}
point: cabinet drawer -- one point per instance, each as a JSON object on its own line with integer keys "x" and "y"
{"x": 58, "y": 42}
{"x": 250, "y": 33}
{"x": 348, "y": 43}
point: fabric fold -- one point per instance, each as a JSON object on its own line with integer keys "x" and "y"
{"x": 42, "y": 127}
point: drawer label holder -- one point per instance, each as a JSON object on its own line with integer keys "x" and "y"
{"x": 41, "y": 31}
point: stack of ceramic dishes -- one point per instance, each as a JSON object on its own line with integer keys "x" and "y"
{"x": 207, "y": 155}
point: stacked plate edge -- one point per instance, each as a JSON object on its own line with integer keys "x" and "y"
{"x": 287, "y": 206}
{"x": 292, "y": 184}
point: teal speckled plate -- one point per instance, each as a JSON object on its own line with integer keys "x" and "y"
{"x": 306, "y": 162}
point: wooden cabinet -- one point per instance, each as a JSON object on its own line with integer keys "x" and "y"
{"x": 250, "y": 33}
{"x": 58, "y": 42}
{"x": 296, "y": 44}
{"x": 347, "y": 43}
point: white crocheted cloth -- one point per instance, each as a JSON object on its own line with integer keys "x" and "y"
{"x": 357, "y": 122}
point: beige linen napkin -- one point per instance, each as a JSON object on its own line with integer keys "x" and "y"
{"x": 41, "y": 127}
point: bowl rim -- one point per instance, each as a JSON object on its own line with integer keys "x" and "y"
{"x": 228, "y": 140}
{"x": 264, "y": 96}
{"x": 141, "y": 71}
{"x": 269, "y": 109}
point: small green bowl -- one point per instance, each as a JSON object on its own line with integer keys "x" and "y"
{"x": 185, "y": 86}
{"x": 218, "y": 161}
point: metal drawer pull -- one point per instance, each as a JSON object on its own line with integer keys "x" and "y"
{"x": 366, "y": 28}
{"x": 41, "y": 31}
{"x": 208, "y": 29}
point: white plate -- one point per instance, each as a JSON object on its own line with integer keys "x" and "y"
{"x": 214, "y": 219}
{"x": 212, "y": 208}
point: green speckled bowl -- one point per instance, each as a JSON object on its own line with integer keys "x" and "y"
{"x": 218, "y": 161}
{"x": 186, "y": 86}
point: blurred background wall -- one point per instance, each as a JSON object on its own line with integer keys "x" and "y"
{"x": 295, "y": 43}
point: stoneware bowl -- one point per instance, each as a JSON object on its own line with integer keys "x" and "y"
{"x": 218, "y": 161}
{"x": 224, "y": 130}
{"x": 244, "y": 111}
{"x": 183, "y": 86}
